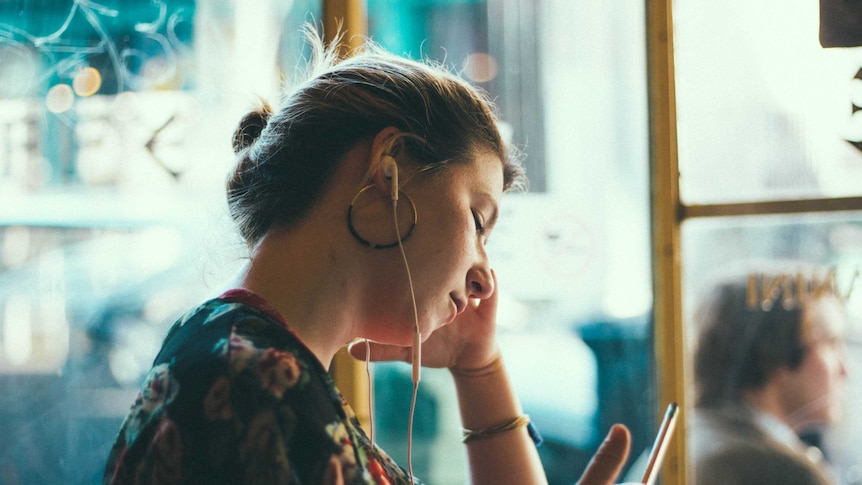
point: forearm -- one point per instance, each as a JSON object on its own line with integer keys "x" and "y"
{"x": 486, "y": 399}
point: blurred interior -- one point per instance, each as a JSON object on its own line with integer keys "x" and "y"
{"x": 115, "y": 126}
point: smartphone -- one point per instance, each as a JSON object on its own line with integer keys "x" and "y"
{"x": 659, "y": 447}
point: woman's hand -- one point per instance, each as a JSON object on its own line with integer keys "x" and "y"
{"x": 468, "y": 348}
{"x": 609, "y": 459}
{"x": 467, "y": 344}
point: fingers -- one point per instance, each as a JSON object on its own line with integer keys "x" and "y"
{"x": 609, "y": 459}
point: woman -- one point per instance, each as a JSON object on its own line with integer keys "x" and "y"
{"x": 366, "y": 201}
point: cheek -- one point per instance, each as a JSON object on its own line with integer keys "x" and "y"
{"x": 831, "y": 385}
{"x": 446, "y": 248}
{"x": 823, "y": 373}
{"x": 437, "y": 273}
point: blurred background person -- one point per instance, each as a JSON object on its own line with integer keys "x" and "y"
{"x": 769, "y": 367}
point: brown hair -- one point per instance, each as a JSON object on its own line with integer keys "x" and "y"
{"x": 286, "y": 158}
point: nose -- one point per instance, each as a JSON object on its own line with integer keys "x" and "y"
{"x": 843, "y": 371}
{"x": 480, "y": 283}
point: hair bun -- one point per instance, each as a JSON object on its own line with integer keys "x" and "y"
{"x": 250, "y": 128}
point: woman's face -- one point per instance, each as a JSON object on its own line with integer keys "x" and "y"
{"x": 456, "y": 210}
{"x": 814, "y": 388}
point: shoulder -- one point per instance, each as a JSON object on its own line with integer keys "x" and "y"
{"x": 225, "y": 344}
{"x": 210, "y": 326}
{"x": 730, "y": 450}
{"x": 714, "y": 430}
{"x": 233, "y": 394}
{"x": 742, "y": 465}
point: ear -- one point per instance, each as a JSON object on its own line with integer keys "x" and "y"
{"x": 382, "y": 167}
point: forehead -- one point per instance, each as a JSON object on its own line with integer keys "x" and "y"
{"x": 483, "y": 172}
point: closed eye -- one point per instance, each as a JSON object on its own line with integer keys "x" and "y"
{"x": 480, "y": 227}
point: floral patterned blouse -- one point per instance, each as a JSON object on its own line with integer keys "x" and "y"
{"x": 234, "y": 396}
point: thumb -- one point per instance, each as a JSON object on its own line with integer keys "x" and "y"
{"x": 609, "y": 459}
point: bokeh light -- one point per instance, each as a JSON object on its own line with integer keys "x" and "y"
{"x": 59, "y": 98}
{"x": 480, "y": 67}
{"x": 87, "y": 81}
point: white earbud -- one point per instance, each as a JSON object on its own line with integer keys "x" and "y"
{"x": 390, "y": 169}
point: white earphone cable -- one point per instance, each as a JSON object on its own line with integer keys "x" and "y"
{"x": 417, "y": 342}
{"x": 370, "y": 391}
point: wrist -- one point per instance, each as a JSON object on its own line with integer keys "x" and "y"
{"x": 492, "y": 366}
{"x": 468, "y": 435}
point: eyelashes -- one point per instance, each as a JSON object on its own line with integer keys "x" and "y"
{"x": 480, "y": 227}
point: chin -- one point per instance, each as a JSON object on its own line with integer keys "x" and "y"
{"x": 835, "y": 415}
{"x": 824, "y": 419}
{"x": 451, "y": 316}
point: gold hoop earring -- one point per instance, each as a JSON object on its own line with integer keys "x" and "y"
{"x": 365, "y": 242}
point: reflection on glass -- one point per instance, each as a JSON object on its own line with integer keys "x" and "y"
{"x": 110, "y": 190}
{"x": 75, "y": 300}
{"x": 774, "y": 328}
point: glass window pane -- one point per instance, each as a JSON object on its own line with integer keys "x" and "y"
{"x": 764, "y": 112}
{"x": 767, "y": 357}
{"x": 115, "y": 127}
{"x": 572, "y": 255}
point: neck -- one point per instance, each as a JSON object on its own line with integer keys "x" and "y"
{"x": 306, "y": 282}
{"x": 311, "y": 273}
{"x": 768, "y": 400}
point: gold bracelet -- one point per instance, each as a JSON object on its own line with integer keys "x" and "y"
{"x": 468, "y": 435}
